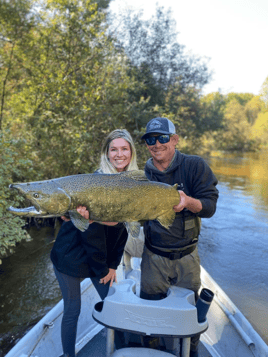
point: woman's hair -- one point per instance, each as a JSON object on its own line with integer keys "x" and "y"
{"x": 105, "y": 166}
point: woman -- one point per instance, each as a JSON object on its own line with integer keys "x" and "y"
{"x": 95, "y": 253}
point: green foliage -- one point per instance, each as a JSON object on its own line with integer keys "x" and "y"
{"x": 213, "y": 106}
{"x": 264, "y": 92}
{"x": 74, "y": 89}
{"x": 171, "y": 79}
{"x": 11, "y": 167}
{"x": 241, "y": 98}
{"x": 260, "y": 129}
{"x": 253, "y": 108}
{"x": 16, "y": 23}
{"x": 229, "y": 120}
{"x": 236, "y": 132}
{"x": 183, "y": 108}
{"x": 159, "y": 60}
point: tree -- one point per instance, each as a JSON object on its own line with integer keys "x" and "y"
{"x": 11, "y": 227}
{"x": 16, "y": 23}
{"x": 171, "y": 80}
{"x": 253, "y": 108}
{"x": 152, "y": 47}
{"x": 213, "y": 106}
{"x": 235, "y": 134}
{"x": 260, "y": 128}
{"x": 241, "y": 98}
{"x": 183, "y": 107}
{"x": 264, "y": 92}
{"x": 72, "y": 89}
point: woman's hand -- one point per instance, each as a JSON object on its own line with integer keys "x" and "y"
{"x": 84, "y": 212}
{"x": 111, "y": 276}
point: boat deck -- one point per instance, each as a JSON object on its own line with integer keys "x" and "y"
{"x": 97, "y": 347}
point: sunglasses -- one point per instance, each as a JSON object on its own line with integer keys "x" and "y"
{"x": 163, "y": 139}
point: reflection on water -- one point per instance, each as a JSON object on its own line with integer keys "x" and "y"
{"x": 233, "y": 244}
{"x": 248, "y": 173}
{"x": 233, "y": 249}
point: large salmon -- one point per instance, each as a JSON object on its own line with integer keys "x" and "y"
{"x": 125, "y": 197}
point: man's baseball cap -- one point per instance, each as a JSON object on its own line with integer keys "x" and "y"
{"x": 159, "y": 126}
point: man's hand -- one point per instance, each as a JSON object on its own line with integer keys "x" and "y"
{"x": 111, "y": 276}
{"x": 192, "y": 204}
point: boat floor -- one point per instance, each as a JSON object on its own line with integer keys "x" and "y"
{"x": 97, "y": 347}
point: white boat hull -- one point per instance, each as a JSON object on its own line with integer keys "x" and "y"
{"x": 229, "y": 333}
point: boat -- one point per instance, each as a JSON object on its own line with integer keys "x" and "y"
{"x": 229, "y": 334}
{"x": 226, "y": 333}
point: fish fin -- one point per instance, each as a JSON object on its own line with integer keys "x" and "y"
{"x": 133, "y": 228}
{"x": 167, "y": 219}
{"x": 79, "y": 221}
{"x": 138, "y": 175}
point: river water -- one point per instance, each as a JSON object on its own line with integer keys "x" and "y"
{"x": 233, "y": 249}
{"x": 234, "y": 242}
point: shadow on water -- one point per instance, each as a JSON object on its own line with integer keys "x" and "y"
{"x": 233, "y": 249}
{"x": 28, "y": 287}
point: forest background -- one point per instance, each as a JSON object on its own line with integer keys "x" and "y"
{"x": 70, "y": 73}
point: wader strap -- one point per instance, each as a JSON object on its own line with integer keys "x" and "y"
{"x": 171, "y": 255}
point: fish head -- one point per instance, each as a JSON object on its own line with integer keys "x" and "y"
{"x": 47, "y": 198}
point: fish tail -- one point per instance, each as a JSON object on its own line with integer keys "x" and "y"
{"x": 133, "y": 228}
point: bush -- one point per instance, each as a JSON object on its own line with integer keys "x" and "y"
{"x": 11, "y": 167}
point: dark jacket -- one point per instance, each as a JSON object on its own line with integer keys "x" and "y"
{"x": 195, "y": 178}
{"x": 90, "y": 253}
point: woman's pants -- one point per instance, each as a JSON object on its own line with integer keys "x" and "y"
{"x": 71, "y": 293}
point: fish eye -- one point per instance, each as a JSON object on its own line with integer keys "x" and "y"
{"x": 35, "y": 195}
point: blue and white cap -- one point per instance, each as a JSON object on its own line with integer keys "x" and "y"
{"x": 159, "y": 126}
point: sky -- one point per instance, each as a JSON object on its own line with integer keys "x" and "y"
{"x": 232, "y": 34}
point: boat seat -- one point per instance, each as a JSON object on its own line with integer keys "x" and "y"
{"x": 174, "y": 316}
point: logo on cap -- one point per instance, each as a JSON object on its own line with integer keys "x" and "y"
{"x": 155, "y": 124}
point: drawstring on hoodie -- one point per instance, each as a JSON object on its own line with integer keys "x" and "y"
{"x": 183, "y": 224}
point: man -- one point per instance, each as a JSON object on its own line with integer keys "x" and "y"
{"x": 170, "y": 256}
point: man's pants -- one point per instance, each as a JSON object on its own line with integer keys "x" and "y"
{"x": 159, "y": 273}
